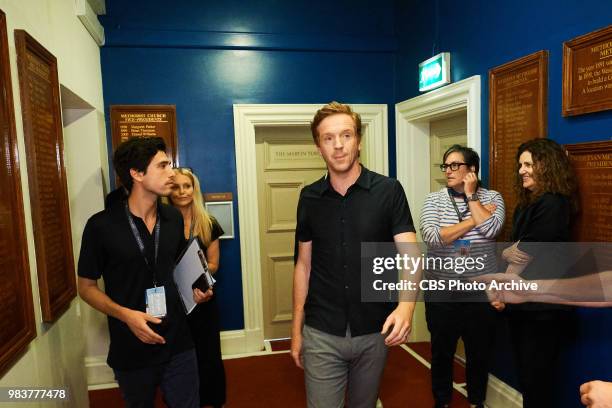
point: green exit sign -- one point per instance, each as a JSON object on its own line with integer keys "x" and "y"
{"x": 434, "y": 72}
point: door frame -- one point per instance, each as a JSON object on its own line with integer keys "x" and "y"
{"x": 412, "y": 119}
{"x": 247, "y": 117}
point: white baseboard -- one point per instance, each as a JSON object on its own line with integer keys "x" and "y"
{"x": 99, "y": 374}
{"x": 233, "y": 342}
{"x": 501, "y": 395}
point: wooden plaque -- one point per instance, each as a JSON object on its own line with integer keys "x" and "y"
{"x": 42, "y": 126}
{"x": 587, "y": 73}
{"x": 145, "y": 120}
{"x": 17, "y": 327}
{"x": 593, "y": 166}
{"x": 517, "y": 113}
{"x": 213, "y": 197}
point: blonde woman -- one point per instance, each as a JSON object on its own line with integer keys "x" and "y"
{"x": 204, "y": 320}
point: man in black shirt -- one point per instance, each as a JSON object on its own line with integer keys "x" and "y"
{"x": 133, "y": 246}
{"x": 338, "y": 340}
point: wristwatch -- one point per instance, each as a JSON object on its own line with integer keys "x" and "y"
{"x": 472, "y": 197}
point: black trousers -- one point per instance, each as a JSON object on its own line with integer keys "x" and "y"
{"x": 178, "y": 379}
{"x": 536, "y": 338}
{"x": 205, "y": 328}
{"x": 474, "y": 323}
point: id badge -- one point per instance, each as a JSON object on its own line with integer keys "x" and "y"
{"x": 462, "y": 247}
{"x": 155, "y": 298}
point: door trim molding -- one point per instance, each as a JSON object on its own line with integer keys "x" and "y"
{"x": 246, "y": 118}
{"x": 412, "y": 119}
{"x": 412, "y": 132}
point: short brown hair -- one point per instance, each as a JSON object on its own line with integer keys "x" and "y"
{"x": 334, "y": 108}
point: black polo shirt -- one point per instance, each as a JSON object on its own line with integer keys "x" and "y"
{"x": 374, "y": 209}
{"x": 109, "y": 250}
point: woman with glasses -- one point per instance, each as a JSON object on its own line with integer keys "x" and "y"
{"x": 460, "y": 221}
{"x": 204, "y": 319}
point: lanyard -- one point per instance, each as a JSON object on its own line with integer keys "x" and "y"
{"x": 138, "y": 239}
{"x": 457, "y": 208}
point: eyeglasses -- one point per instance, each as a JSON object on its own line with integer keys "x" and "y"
{"x": 453, "y": 166}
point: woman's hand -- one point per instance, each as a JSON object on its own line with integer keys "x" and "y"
{"x": 490, "y": 207}
{"x": 470, "y": 183}
{"x": 201, "y": 297}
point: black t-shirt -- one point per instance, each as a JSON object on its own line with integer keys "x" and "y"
{"x": 215, "y": 233}
{"x": 109, "y": 250}
{"x": 200, "y": 314}
{"x": 374, "y": 209}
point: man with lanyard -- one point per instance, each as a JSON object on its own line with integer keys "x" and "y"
{"x": 459, "y": 221}
{"x": 339, "y": 341}
{"x": 133, "y": 246}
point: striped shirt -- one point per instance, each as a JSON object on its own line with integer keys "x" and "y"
{"x": 438, "y": 212}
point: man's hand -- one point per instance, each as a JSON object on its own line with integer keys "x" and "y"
{"x": 137, "y": 322}
{"x": 497, "y": 305}
{"x": 596, "y": 394}
{"x": 401, "y": 320}
{"x": 515, "y": 256}
{"x": 296, "y": 349}
{"x": 499, "y": 298}
{"x": 201, "y": 297}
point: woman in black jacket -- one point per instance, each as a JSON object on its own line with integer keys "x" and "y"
{"x": 546, "y": 187}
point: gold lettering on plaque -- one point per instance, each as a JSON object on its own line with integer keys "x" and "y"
{"x": 593, "y": 166}
{"x": 517, "y": 111}
{"x": 288, "y": 154}
{"x": 587, "y": 78}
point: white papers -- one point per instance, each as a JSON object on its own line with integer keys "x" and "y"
{"x": 188, "y": 269}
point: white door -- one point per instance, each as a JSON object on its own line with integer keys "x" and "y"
{"x": 287, "y": 160}
{"x": 444, "y": 133}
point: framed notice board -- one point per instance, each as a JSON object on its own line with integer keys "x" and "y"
{"x": 587, "y": 73}
{"x": 42, "y": 127}
{"x": 129, "y": 121}
{"x": 17, "y": 327}
{"x": 517, "y": 112}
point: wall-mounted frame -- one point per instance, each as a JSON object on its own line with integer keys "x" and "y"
{"x": 129, "y": 121}
{"x": 592, "y": 164}
{"x": 42, "y": 127}
{"x": 17, "y": 327}
{"x": 223, "y": 211}
{"x": 587, "y": 83}
{"x": 518, "y": 106}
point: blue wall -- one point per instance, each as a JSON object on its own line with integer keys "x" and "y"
{"x": 480, "y": 35}
{"x": 206, "y": 56}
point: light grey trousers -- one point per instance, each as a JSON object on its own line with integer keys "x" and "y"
{"x": 331, "y": 363}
